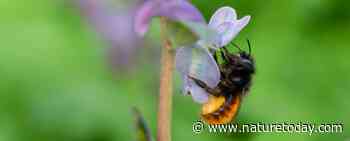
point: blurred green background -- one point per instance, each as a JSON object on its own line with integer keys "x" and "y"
{"x": 55, "y": 82}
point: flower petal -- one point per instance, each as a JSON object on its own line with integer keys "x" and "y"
{"x": 226, "y": 33}
{"x": 225, "y": 22}
{"x": 198, "y": 63}
{"x": 199, "y": 95}
{"x": 224, "y": 14}
{"x": 143, "y": 17}
{"x": 115, "y": 26}
{"x": 186, "y": 33}
{"x": 206, "y": 34}
{"x": 174, "y": 10}
{"x": 229, "y": 30}
{"x": 241, "y": 23}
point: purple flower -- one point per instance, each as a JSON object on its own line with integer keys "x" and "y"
{"x": 119, "y": 27}
{"x": 176, "y": 10}
{"x": 116, "y": 27}
{"x": 197, "y": 61}
{"x": 194, "y": 60}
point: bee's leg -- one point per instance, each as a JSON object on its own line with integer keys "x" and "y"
{"x": 225, "y": 54}
{"x": 226, "y": 51}
{"x": 215, "y": 57}
{"x": 227, "y": 83}
{"x": 224, "y": 71}
{"x": 230, "y": 56}
{"x": 200, "y": 83}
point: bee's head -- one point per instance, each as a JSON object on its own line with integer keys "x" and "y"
{"x": 246, "y": 60}
{"x": 245, "y": 55}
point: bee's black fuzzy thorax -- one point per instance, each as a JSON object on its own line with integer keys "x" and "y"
{"x": 236, "y": 73}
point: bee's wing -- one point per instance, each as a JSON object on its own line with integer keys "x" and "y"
{"x": 197, "y": 62}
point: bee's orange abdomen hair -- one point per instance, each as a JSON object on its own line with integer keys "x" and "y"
{"x": 226, "y": 114}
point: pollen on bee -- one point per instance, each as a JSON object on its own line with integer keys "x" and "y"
{"x": 214, "y": 103}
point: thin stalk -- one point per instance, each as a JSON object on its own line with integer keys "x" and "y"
{"x": 166, "y": 87}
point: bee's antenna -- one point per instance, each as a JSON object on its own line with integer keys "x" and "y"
{"x": 249, "y": 46}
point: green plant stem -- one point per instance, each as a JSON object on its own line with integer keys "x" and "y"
{"x": 166, "y": 88}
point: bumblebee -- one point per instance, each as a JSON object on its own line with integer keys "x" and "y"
{"x": 235, "y": 81}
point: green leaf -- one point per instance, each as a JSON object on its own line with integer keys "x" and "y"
{"x": 142, "y": 131}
